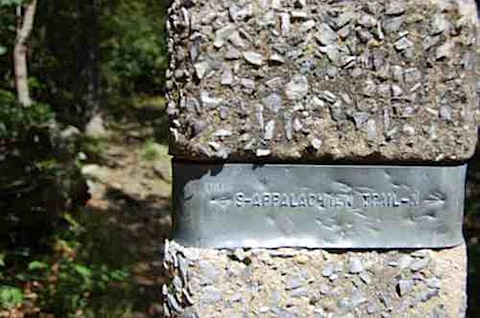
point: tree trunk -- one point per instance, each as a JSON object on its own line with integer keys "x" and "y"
{"x": 89, "y": 59}
{"x": 25, "y": 18}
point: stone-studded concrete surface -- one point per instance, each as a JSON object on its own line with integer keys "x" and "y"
{"x": 314, "y": 283}
{"x": 322, "y": 79}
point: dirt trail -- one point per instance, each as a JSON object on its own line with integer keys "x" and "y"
{"x": 130, "y": 188}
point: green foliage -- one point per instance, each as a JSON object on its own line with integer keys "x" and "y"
{"x": 10, "y": 297}
{"x": 41, "y": 245}
{"x": 94, "y": 148}
{"x": 69, "y": 281}
{"x": 37, "y": 265}
{"x": 77, "y": 284}
{"x": 7, "y": 3}
{"x": 10, "y": 3}
{"x": 134, "y": 64}
{"x": 16, "y": 121}
{"x": 132, "y": 54}
{"x": 152, "y": 151}
{"x": 145, "y": 102}
{"x": 7, "y": 38}
{"x": 83, "y": 282}
{"x": 75, "y": 266}
{"x": 38, "y": 176}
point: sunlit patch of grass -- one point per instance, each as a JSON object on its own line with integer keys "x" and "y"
{"x": 94, "y": 147}
{"x": 149, "y": 101}
{"x": 152, "y": 151}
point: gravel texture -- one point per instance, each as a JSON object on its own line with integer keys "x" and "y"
{"x": 314, "y": 283}
{"x": 321, "y": 79}
{"x": 316, "y": 81}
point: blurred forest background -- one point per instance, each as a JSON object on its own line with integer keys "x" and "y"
{"x": 86, "y": 112}
{"x": 84, "y": 170}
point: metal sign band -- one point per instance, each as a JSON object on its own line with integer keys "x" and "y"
{"x": 313, "y": 206}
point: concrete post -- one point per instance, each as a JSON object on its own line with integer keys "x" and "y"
{"x": 363, "y": 85}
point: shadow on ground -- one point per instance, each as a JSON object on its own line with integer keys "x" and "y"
{"x": 124, "y": 232}
{"x": 129, "y": 214}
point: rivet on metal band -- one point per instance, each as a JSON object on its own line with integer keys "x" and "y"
{"x": 314, "y": 206}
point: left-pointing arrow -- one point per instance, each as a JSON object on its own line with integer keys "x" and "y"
{"x": 223, "y": 201}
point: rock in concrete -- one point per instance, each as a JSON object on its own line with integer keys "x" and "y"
{"x": 391, "y": 57}
{"x": 275, "y": 279}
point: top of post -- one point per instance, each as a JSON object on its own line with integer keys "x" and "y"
{"x": 322, "y": 80}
